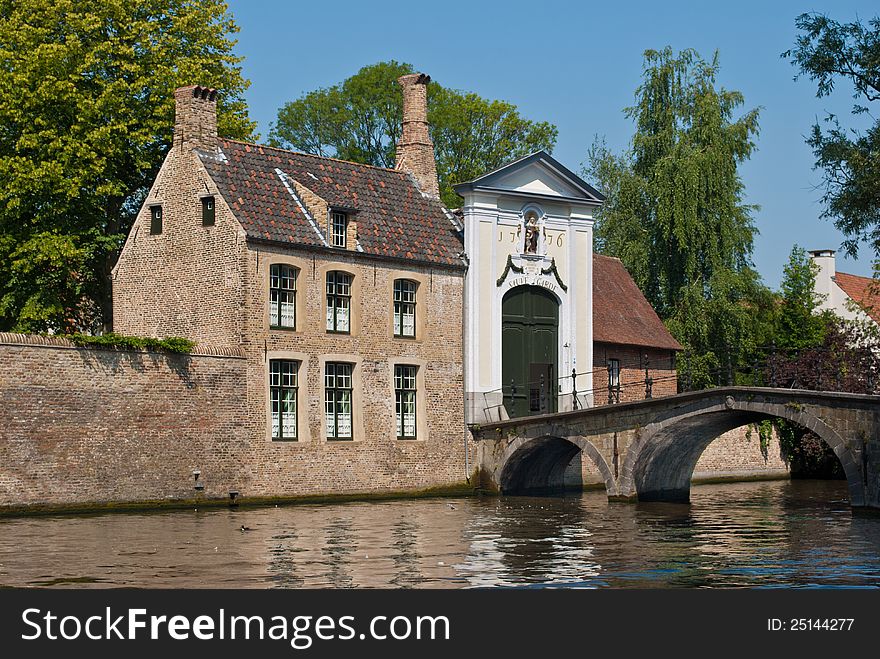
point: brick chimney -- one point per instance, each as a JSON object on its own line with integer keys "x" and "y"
{"x": 415, "y": 151}
{"x": 195, "y": 122}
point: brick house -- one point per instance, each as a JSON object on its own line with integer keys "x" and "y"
{"x": 341, "y": 283}
{"x": 362, "y": 305}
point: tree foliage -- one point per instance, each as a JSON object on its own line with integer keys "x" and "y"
{"x": 799, "y": 325}
{"x": 86, "y": 116}
{"x": 675, "y": 214}
{"x": 827, "y": 51}
{"x": 846, "y": 359}
{"x": 818, "y": 351}
{"x": 360, "y": 119}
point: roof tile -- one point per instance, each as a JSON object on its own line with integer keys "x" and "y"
{"x": 864, "y": 291}
{"x": 621, "y": 314}
{"x": 394, "y": 218}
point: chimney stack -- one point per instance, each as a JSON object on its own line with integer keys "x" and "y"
{"x": 195, "y": 122}
{"x": 415, "y": 151}
{"x": 824, "y": 258}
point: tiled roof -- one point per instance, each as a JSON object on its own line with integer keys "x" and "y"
{"x": 393, "y": 218}
{"x": 863, "y": 290}
{"x": 621, "y": 314}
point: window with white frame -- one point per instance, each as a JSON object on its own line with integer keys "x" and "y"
{"x": 338, "y": 226}
{"x": 338, "y": 302}
{"x": 283, "y": 386}
{"x": 405, "y": 400}
{"x": 282, "y": 296}
{"x": 404, "y": 307}
{"x": 337, "y": 400}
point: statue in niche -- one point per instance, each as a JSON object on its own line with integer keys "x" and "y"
{"x": 532, "y": 233}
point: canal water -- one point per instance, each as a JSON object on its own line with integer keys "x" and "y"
{"x": 798, "y": 533}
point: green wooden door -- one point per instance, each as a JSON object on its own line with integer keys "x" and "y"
{"x": 529, "y": 346}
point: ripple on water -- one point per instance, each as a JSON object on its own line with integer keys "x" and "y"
{"x": 790, "y": 534}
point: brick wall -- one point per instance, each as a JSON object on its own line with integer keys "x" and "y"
{"x": 185, "y": 281}
{"x": 737, "y": 454}
{"x": 80, "y": 425}
{"x": 660, "y": 363}
{"x": 376, "y": 459}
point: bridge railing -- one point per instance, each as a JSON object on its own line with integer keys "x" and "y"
{"x": 838, "y": 368}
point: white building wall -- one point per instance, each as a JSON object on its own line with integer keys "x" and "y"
{"x": 831, "y": 296}
{"x": 494, "y": 231}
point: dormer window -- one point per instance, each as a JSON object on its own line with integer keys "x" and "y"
{"x": 155, "y": 220}
{"x": 338, "y": 227}
{"x": 208, "y": 212}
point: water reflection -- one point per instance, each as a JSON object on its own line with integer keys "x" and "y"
{"x": 406, "y": 557}
{"x": 527, "y": 540}
{"x": 755, "y": 534}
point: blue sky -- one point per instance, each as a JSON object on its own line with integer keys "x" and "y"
{"x": 577, "y": 65}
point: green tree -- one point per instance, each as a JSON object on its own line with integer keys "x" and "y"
{"x": 360, "y": 119}
{"x": 86, "y": 116}
{"x": 827, "y": 51}
{"x": 674, "y": 213}
{"x": 799, "y": 325}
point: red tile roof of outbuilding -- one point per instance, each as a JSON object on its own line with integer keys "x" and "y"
{"x": 863, "y": 290}
{"x": 393, "y": 218}
{"x": 621, "y": 314}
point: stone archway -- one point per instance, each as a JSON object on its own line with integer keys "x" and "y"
{"x": 660, "y": 462}
{"x": 534, "y": 465}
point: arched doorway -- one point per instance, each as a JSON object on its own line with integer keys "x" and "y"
{"x": 529, "y": 349}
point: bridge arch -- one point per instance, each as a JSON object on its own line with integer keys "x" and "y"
{"x": 661, "y": 460}
{"x": 533, "y": 464}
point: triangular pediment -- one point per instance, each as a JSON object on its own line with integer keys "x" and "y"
{"x": 539, "y": 175}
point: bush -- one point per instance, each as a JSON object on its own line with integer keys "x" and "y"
{"x": 173, "y": 344}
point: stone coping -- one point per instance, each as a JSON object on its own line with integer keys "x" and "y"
{"x": 744, "y": 392}
{"x": 39, "y": 340}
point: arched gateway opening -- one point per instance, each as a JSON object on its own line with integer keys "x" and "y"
{"x": 529, "y": 349}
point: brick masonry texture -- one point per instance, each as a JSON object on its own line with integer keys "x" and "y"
{"x": 185, "y": 281}
{"x": 633, "y": 359}
{"x": 79, "y": 425}
{"x": 415, "y": 151}
{"x": 82, "y": 426}
{"x": 376, "y": 460}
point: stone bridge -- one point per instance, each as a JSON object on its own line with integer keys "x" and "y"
{"x": 647, "y": 450}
